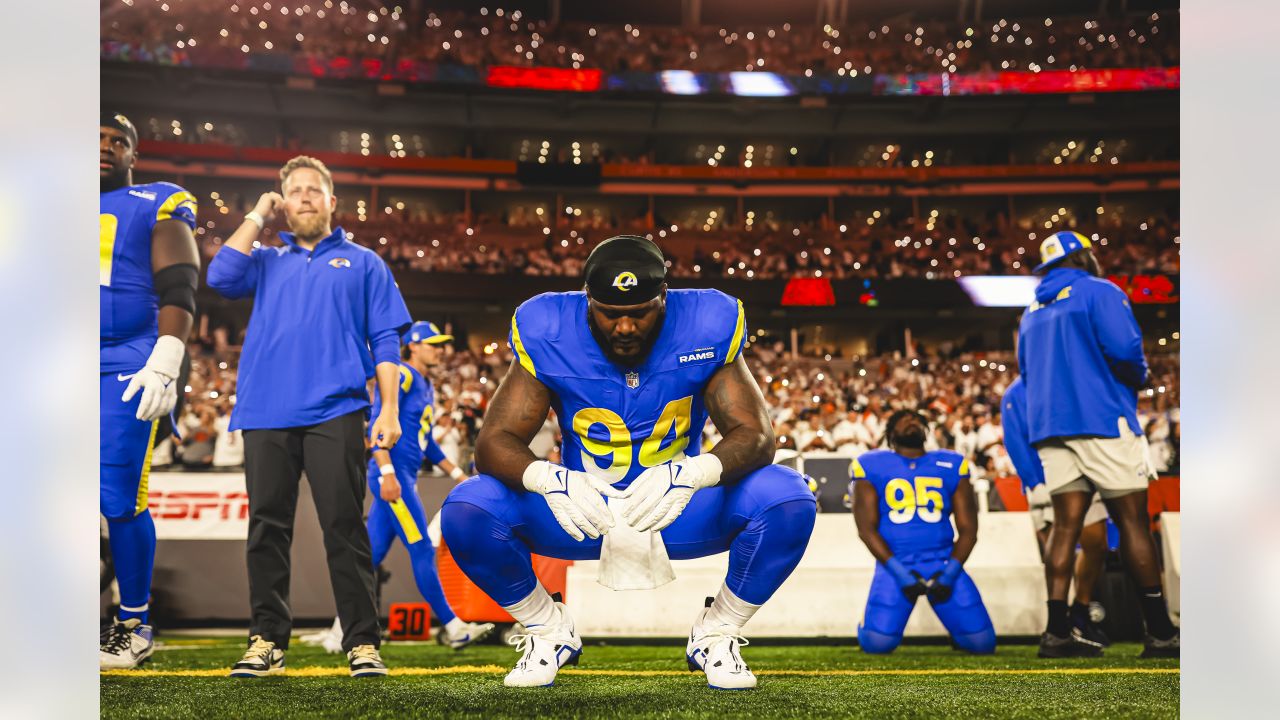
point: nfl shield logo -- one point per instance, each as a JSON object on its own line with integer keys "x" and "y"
{"x": 633, "y": 380}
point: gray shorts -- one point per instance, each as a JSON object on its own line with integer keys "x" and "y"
{"x": 1041, "y": 508}
{"x": 1114, "y": 467}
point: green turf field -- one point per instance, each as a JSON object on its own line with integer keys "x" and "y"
{"x": 186, "y": 678}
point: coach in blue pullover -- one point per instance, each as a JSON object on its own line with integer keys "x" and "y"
{"x": 327, "y": 316}
{"x": 1080, "y": 353}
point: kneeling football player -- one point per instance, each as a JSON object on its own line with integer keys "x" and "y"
{"x": 903, "y": 500}
{"x": 633, "y": 371}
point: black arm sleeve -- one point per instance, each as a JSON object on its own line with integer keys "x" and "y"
{"x": 176, "y": 285}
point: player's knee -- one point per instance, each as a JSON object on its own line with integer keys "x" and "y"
{"x": 791, "y": 521}
{"x": 481, "y": 490}
{"x": 470, "y": 513}
{"x": 120, "y": 512}
{"x": 979, "y": 643}
{"x": 777, "y": 481}
{"x": 877, "y": 643}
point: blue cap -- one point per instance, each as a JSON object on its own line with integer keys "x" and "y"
{"x": 427, "y": 332}
{"x": 1058, "y": 246}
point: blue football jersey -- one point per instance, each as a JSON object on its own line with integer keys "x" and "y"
{"x": 617, "y": 421}
{"x": 127, "y": 297}
{"x": 915, "y": 496}
{"x": 416, "y": 415}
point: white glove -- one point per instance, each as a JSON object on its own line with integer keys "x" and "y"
{"x": 457, "y": 474}
{"x": 156, "y": 379}
{"x": 574, "y": 498}
{"x": 661, "y": 493}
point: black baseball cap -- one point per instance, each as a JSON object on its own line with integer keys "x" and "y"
{"x": 625, "y": 270}
{"x": 121, "y": 123}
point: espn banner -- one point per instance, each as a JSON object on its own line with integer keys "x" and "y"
{"x": 199, "y": 505}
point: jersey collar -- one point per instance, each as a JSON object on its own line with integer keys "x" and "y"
{"x": 335, "y": 238}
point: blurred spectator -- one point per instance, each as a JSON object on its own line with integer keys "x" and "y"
{"x": 932, "y": 248}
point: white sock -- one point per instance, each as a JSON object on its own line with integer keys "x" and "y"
{"x": 454, "y": 626}
{"x": 536, "y": 609}
{"x": 730, "y": 610}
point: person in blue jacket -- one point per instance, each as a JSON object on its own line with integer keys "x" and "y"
{"x": 1080, "y": 354}
{"x": 327, "y": 317}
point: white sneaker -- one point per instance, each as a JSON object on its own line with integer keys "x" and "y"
{"x": 330, "y": 638}
{"x": 262, "y": 658}
{"x": 714, "y": 651}
{"x": 467, "y": 634}
{"x": 546, "y": 648}
{"x": 366, "y": 661}
{"x": 124, "y": 645}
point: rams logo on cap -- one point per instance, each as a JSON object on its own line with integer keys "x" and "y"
{"x": 625, "y": 281}
{"x": 340, "y": 263}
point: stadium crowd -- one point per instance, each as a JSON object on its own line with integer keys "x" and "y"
{"x": 863, "y": 247}
{"x": 817, "y": 404}
{"x": 369, "y": 39}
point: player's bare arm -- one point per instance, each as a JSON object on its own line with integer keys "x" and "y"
{"x": 866, "y": 515}
{"x": 965, "y": 510}
{"x": 514, "y": 417}
{"x": 386, "y": 427}
{"x": 389, "y": 486}
{"x": 737, "y": 408}
{"x": 175, "y": 263}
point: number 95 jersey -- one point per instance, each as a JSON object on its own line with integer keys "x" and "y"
{"x": 915, "y": 496}
{"x": 618, "y": 421}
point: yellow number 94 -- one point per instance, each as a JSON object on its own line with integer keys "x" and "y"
{"x": 905, "y": 500}
{"x": 676, "y": 418}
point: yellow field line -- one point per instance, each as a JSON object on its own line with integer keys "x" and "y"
{"x": 496, "y": 669}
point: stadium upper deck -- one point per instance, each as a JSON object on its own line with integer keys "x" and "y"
{"x": 374, "y": 39}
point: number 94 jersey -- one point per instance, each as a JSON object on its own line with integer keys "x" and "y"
{"x": 915, "y": 496}
{"x": 618, "y": 421}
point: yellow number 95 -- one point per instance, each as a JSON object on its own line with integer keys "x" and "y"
{"x": 905, "y": 501}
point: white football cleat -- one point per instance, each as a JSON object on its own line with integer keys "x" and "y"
{"x": 546, "y": 648}
{"x": 124, "y": 645}
{"x": 467, "y": 634}
{"x": 714, "y": 651}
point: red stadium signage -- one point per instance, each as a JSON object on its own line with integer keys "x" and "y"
{"x": 1145, "y": 289}
{"x": 811, "y": 292}
{"x": 506, "y": 76}
{"x": 198, "y": 506}
{"x": 1030, "y": 83}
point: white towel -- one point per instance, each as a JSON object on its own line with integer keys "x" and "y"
{"x": 630, "y": 559}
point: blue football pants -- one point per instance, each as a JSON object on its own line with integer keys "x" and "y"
{"x": 124, "y": 457}
{"x": 764, "y": 520}
{"x": 963, "y": 614}
{"x": 405, "y": 519}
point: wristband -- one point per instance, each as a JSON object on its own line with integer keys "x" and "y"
{"x": 387, "y": 469}
{"x": 257, "y": 219}
{"x": 457, "y": 474}
{"x": 166, "y": 357}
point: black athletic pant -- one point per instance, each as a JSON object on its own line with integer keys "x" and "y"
{"x": 332, "y": 454}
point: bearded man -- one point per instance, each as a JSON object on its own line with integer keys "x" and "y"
{"x": 327, "y": 316}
